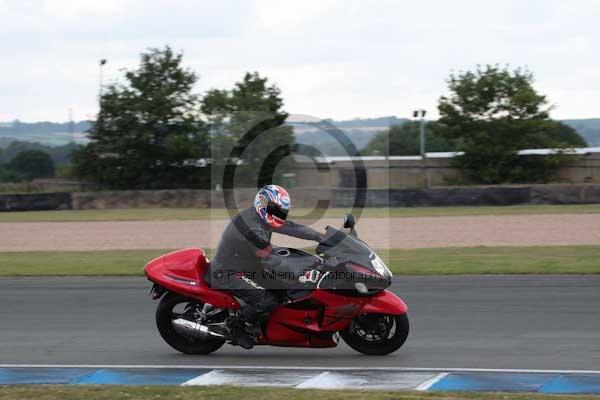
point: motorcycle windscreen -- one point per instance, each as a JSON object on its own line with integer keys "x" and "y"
{"x": 340, "y": 244}
{"x": 354, "y": 263}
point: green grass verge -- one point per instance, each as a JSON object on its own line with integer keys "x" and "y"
{"x": 164, "y": 214}
{"x": 76, "y": 263}
{"x": 497, "y": 260}
{"x": 76, "y": 392}
{"x": 445, "y": 261}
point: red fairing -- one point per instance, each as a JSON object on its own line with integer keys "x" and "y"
{"x": 385, "y": 302}
{"x": 183, "y": 272}
{"x": 315, "y": 325}
{"x": 338, "y": 310}
{"x": 297, "y": 328}
{"x": 331, "y": 312}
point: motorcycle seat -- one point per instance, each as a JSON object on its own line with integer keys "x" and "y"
{"x": 295, "y": 294}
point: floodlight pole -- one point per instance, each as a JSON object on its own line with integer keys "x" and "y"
{"x": 422, "y": 135}
{"x": 101, "y": 65}
{"x": 417, "y": 114}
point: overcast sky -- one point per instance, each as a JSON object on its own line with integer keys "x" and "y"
{"x": 340, "y": 59}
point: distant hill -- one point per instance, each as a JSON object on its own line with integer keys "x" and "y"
{"x": 47, "y": 133}
{"x": 381, "y": 122}
{"x": 588, "y": 128}
{"x": 359, "y": 131}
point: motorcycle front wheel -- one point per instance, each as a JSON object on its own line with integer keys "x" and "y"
{"x": 173, "y": 306}
{"x": 377, "y": 334}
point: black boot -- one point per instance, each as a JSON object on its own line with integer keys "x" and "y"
{"x": 239, "y": 333}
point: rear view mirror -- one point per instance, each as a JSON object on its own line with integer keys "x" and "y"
{"x": 349, "y": 221}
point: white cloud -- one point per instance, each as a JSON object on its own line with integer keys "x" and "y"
{"x": 331, "y": 58}
{"x": 282, "y": 16}
{"x": 83, "y": 8}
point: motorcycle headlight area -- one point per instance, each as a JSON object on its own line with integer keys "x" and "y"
{"x": 380, "y": 266}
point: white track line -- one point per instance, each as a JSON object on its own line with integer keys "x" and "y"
{"x": 295, "y": 368}
{"x": 430, "y": 382}
{"x": 332, "y": 380}
{"x": 320, "y": 381}
{"x": 213, "y": 377}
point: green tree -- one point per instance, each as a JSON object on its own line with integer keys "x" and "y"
{"x": 564, "y": 133}
{"x": 31, "y": 164}
{"x": 494, "y": 112}
{"x": 149, "y": 133}
{"x": 247, "y": 128}
{"x": 8, "y": 175}
{"x": 61, "y": 155}
{"x": 403, "y": 140}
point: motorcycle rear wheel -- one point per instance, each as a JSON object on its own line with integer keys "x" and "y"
{"x": 377, "y": 334}
{"x": 182, "y": 343}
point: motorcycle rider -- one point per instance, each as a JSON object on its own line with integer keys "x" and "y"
{"x": 245, "y": 250}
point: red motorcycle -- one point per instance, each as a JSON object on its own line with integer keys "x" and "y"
{"x": 349, "y": 300}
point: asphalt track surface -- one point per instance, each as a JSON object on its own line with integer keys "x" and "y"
{"x": 513, "y": 322}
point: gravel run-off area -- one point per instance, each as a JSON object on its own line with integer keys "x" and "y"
{"x": 418, "y": 232}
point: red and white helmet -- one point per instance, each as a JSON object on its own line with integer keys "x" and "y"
{"x": 272, "y": 203}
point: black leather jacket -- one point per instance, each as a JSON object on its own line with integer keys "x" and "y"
{"x": 245, "y": 245}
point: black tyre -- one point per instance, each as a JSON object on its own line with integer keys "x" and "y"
{"x": 377, "y": 334}
{"x": 166, "y": 312}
